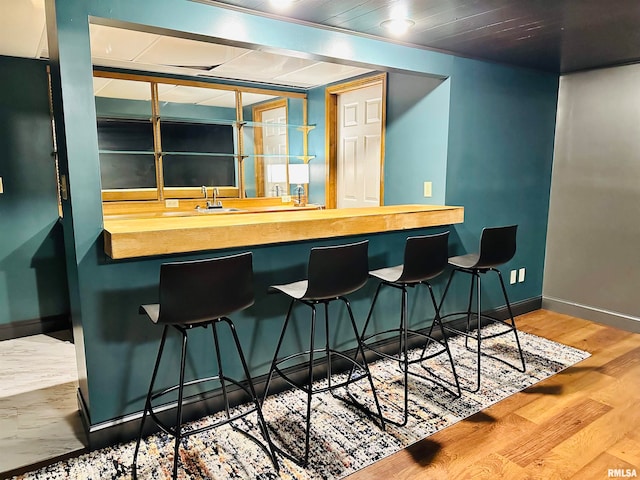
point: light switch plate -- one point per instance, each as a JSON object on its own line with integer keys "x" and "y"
{"x": 521, "y": 275}
{"x": 286, "y": 198}
{"x": 172, "y": 203}
{"x": 427, "y": 189}
{"x": 1, "y": 187}
{"x": 513, "y": 278}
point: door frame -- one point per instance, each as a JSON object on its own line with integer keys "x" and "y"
{"x": 257, "y": 112}
{"x": 331, "y": 136}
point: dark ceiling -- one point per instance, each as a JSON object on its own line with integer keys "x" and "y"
{"x": 554, "y": 35}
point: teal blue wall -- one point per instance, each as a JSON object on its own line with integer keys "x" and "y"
{"x": 416, "y": 139}
{"x": 501, "y": 136}
{"x": 33, "y": 281}
{"x": 501, "y": 127}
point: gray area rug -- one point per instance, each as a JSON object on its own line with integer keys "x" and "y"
{"x": 343, "y": 440}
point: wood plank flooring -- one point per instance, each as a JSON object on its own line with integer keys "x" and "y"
{"x": 578, "y": 424}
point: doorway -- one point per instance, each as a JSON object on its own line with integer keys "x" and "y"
{"x": 356, "y": 117}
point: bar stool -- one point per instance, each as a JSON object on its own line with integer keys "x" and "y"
{"x": 333, "y": 272}
{"x": 425, "y": 257}
{"x": 198, "y": 294}
{"x": 497, "y": 246}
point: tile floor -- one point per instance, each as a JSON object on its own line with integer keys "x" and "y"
{"x": 39, "y": 417}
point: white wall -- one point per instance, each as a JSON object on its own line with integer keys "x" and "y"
{"x": 592, "y": 265}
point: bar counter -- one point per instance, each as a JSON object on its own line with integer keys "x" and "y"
{"x": 128, "y": 236}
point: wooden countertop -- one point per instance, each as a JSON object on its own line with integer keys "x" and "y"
{"x": 138, "y": 236}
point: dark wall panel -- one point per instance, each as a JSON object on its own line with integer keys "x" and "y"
{"x": 32, "y": 270}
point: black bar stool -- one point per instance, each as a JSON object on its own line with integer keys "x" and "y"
{"x": 497, "y": 246}
{"x": 425, "y": 257}
{"x": 198, "y": 294}
{"x": 332, "y": 273}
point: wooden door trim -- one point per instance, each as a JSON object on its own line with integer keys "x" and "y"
{"x": 256, "y": 115}
{"x": 331, "y": 135}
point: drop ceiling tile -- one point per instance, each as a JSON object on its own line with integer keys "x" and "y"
{"x": 21, "y": 25}
{"x": 261, "y": 66}
{"x": 98, "y": 84}
{"x": 43, "y": 45}
{"x": 128, "y": 89}
{"x": 189, "y": 53}
{"x": 252, "y": 98}
{"x": 322, "y": 73}
{"x": 184, "y": 94}
{"x": 119, "y": 43}
{"x": 225, "y": 99}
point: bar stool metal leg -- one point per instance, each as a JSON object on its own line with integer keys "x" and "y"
{"x": 365, "y": 363}
{"x": 310, "y": 385}
{"x": 437, "y": 320}
{"x": 178, "y": 434}
{"x": 274, "y": 362}
{"x": 513, "y": 322}
{"x": 147, "y": 402}
{"x": 402, "y": 357}
{"x": 270, "y": 448}
{"x": 223, "y": 384}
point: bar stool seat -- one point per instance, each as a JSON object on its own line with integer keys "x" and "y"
{"x": 333, "y": 272}
{"x": 199, "y": 294}
{"x": 425, "y": 257}
{"x": 497, "y": 247}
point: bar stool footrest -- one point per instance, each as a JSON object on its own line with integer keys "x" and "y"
{"x": 172, "y": 430}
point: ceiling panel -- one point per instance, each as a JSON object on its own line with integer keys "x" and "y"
{"x": 119, "y": 44}
{"x": 127, "y": 89}
{"x": 329, "y": 72}
{"x": 261, "y": 66}
{"x": 22, "y": 25}
{"x": 226, "y": 99}
{"x": 554, "y": 35}
{"x": 195, "y": 95}
{"x": 188, "y": 53}
{"x": 251, "y": 98}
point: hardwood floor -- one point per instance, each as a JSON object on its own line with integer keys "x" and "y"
{"x": 578, "y": 424}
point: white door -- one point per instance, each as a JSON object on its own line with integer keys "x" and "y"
{"x": 359, "y": 153}
{"x": 274, "y": 146}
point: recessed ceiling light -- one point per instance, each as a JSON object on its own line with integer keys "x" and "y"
{"x": 397, "y": 26}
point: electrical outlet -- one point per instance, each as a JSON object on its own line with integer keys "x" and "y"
{"x": 172, "y": 203}
{"x": 427, "y": 189}
{"x": 286, "y": 198}
{"x": 513, "y": 277}
{"x": 521, "y": 275}
{"x": 1, "y": 187}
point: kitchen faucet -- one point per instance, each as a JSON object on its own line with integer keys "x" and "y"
{"x": 211, "y": 204}
{"x": 203, "y": 189}
{"x": 216, "y": 202}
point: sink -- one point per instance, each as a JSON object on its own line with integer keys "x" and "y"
{"x": 218, "y": 210}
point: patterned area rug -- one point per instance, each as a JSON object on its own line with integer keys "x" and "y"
{"x": 343, "y": 439}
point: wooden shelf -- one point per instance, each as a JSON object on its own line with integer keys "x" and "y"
{"x": 141, "y": 237}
